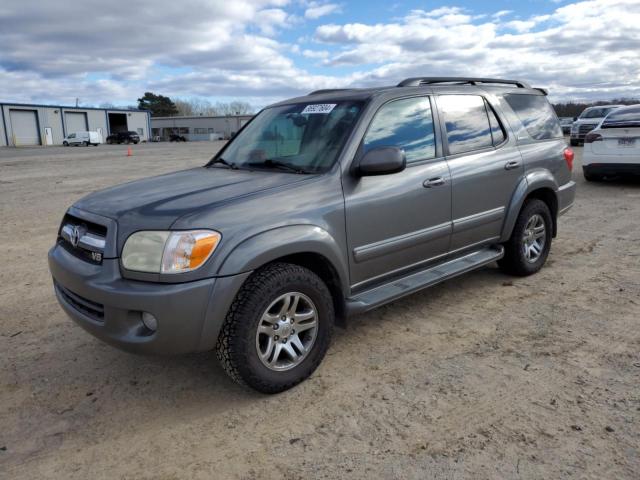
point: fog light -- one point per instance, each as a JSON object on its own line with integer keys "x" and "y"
{"x": 149, "y": 321}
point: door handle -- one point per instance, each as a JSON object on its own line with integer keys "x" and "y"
{"x": 511, "y": 165}
{"x": 433, "y": 182}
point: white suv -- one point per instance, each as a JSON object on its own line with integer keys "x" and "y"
{"x": 613, "y": 147}
{"x": 587, "y": 121}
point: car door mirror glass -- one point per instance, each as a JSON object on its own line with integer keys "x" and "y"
{"x": 382, "y": 161}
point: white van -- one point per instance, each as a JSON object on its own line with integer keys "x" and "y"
{"x": 83, "y": 138}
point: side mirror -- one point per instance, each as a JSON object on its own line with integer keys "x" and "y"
{"x": 382, "y": 161}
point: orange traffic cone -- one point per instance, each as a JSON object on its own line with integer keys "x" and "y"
{"x": 129, "y": 152}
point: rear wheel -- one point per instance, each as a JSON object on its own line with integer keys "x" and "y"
{"x": 278, "y": 328}
{"x": 86, "y": 144}
{"x": 528, "y": 248}
{"x": 574, "y": 143}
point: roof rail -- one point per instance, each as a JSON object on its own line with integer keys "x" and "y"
{"x": 329, "y": 90}
{"x": 419, "y": 81}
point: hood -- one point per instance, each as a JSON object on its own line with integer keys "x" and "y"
{"x": 157, "y": 202}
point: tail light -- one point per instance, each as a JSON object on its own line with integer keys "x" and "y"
{"x": 568, "y": 157}
{"x": 592, "y": 137}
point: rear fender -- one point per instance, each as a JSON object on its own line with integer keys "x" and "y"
{"x": 532, "y": 181}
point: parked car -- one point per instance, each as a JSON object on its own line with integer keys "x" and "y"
{"x": 613, "y": 147}
{"x": 177, "y": 138}
{"x": 324, "y": 206}
{"x": 83, "y": 138}
{"x": 587, "y": 121}
{"x": 124, "y": 137}
{"x": 565, "y": 123}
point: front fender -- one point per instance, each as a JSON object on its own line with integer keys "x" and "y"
{"x": 533, "y": 180}
{"x": 270, "y": 245}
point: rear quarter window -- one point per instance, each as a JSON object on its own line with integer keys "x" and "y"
{"x": 536, "y": 114}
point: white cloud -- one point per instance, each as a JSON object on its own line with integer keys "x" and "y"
{"x": 584, "y": 49}
{"x": 316, "y": 10}
{"x": 588, "y": 48}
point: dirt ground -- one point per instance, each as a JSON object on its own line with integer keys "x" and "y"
{"x": 485, "y": 376}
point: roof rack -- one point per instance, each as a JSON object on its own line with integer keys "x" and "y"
{"x": 419, "y": 81}
{"x": 329, "y": 90}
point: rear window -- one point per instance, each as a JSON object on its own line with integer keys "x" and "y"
{"x": 536, "y": 114}
{"x": 629, "y": 116}
{"x": 467, "y": 123}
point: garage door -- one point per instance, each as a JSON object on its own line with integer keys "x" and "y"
{"x": 76, "y": 122}
{"x": 24, "y": 126}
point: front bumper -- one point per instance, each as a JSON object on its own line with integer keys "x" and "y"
{"x": 612, "y": 169}
{"x": 109, "y": 307}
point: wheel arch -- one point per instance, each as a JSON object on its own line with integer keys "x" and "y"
{"x": 538, "y": 184}
{"x": 305, "y": 245}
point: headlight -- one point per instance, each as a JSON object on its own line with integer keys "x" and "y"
{"x": 169, "y": 252}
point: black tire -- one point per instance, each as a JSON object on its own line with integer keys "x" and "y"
{"x": 574, "y": 143}
{"x": 86, "y": 144}
{"x": 514, "y": 261}
{"x": 66, "y": 144}
{"x": 236, "y": 347}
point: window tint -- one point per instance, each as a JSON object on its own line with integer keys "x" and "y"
{"x": 407, "y": 124}
{"x": 536, "y": 114}
{"x": 467, "y": 124}
{"x": 496, "y": 129}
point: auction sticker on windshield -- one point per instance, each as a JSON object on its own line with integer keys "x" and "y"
{"x": 319, "y": 108}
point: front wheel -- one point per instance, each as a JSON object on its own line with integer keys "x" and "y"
{"x": 278, "y": 328}
{"x": 66, "y": 144}
{"x": 528, "y": 248}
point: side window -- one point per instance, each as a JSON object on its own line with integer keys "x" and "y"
{"x": 467, "y": 124}
{"x": 536, "y": 114}
{"x": 407, "y": 124}
{"x": 497, "y": 132}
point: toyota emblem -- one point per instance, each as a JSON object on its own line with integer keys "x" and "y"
{"x": 75, "y": 236}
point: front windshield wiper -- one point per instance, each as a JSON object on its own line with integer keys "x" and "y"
{"x": 270, "y": 163}
{"x": 222, "y": 161}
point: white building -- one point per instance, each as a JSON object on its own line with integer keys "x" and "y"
{"x": 195, "y": 128}
{"x": 23, "y": 124}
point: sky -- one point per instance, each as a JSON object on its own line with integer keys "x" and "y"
{"x": 262, "y": 51}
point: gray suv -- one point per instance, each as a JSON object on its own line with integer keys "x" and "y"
{"x": 322, "y": 207}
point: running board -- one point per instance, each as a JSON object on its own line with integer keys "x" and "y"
{"x": 398, "y": 288}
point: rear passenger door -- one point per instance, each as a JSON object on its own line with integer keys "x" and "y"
{"x": 485, "y": 165}
{"x": 399, "y": 221}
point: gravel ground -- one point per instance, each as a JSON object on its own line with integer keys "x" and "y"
{"x": 484, "y": 376}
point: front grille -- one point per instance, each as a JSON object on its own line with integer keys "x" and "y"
{"x": 584, "y": 129}
{"x": 91, "y": 309}
{"x": 83, "y": 239}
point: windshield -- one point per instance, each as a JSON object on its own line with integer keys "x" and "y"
{"x": 302, "y": 138}
{"x": 596, "y": 112}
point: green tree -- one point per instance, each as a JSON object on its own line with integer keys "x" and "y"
{"x": 159, "y": 105}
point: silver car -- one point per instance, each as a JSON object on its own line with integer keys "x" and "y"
{"x": 320, "y": 208}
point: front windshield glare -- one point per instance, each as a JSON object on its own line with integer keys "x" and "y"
{"x": 304, "y": 138}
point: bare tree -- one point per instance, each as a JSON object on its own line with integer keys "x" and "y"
{"x": 201, "y": 107}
